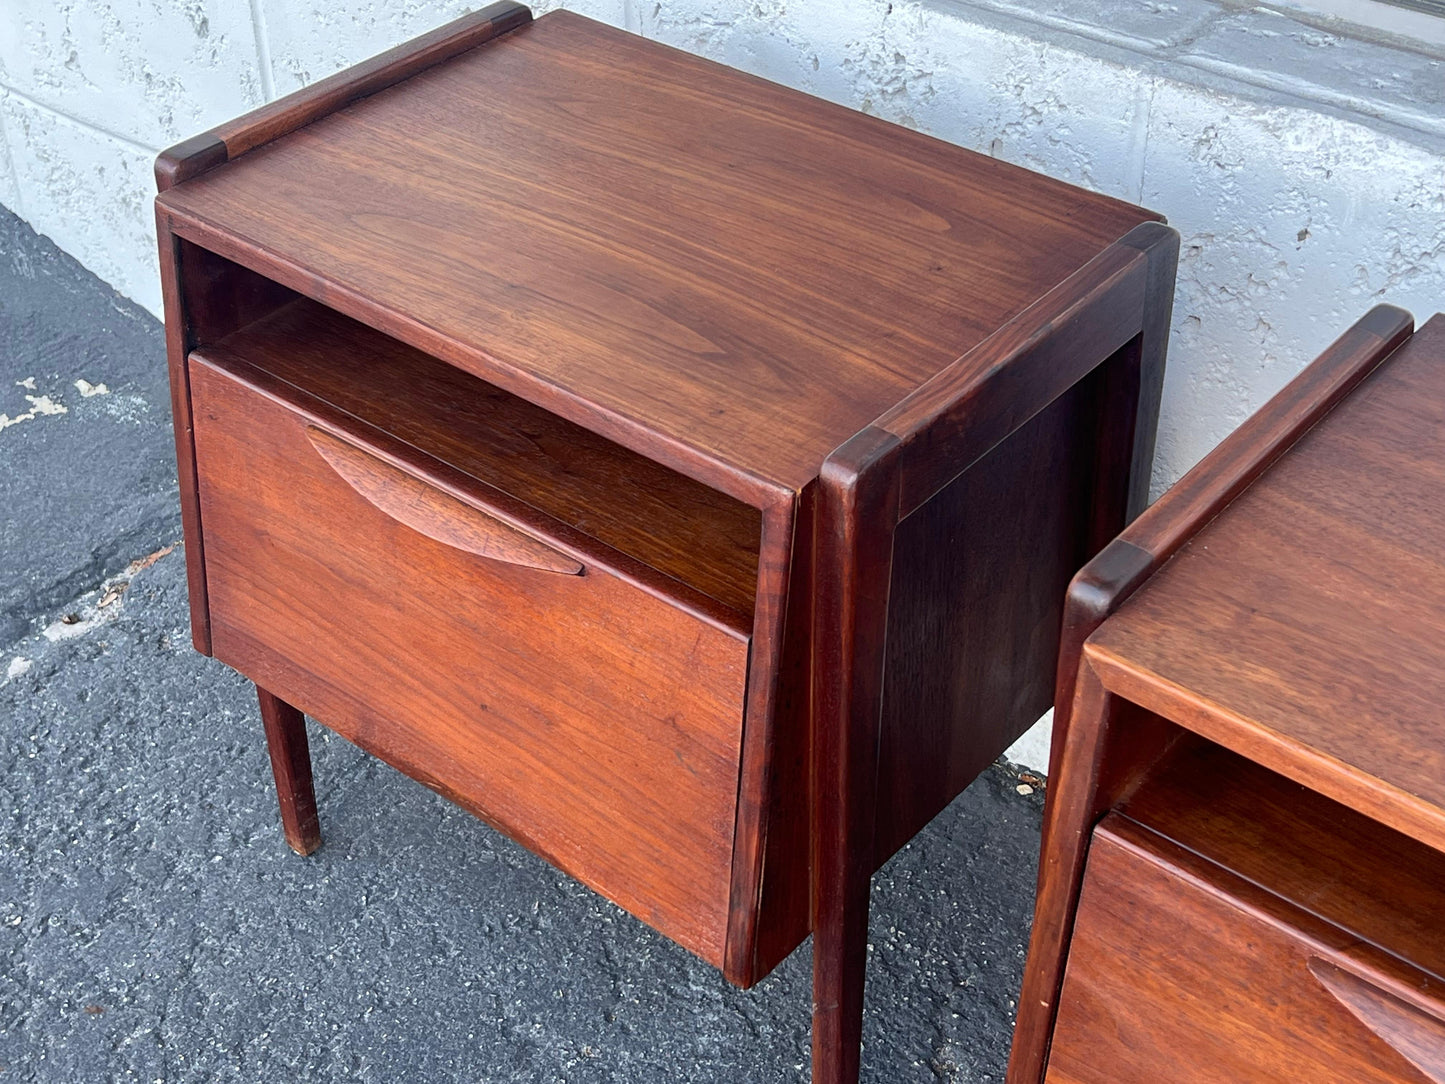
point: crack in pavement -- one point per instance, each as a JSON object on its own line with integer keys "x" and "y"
{"x": 19, "y": 619}
{"x": 153, "y": 923}
{"x": 86, "y": 448}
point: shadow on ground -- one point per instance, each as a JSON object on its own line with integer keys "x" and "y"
{"x": 154, "y": 927}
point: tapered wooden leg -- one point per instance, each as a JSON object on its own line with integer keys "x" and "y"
{"x": 857, "y": 515}
{"x": 291, "y": 764}
{"x": 840, "y": 957}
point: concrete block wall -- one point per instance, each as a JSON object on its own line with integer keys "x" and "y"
{"x": 1302, "y": 161}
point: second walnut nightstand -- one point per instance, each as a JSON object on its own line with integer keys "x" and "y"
{"x": 679, "y": 472}
{"x": 1243, "y": 874}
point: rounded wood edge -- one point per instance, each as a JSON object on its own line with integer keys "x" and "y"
{"x": 424, "y": 509}
{"x": 1150, "y": 237}
{"x": 1159, "y": 243}
{"x": 1096, "y": 591}
{"x": 1388, "y": 322}
{"x": 1105, "y": 582}
{"x": 1238, "y": 461}
{"x": 858, "y": 455}
{"x": 776, "y": 574}
{"x": 857, "y": 515}
{"x": 204, "y": 152}
{"x": 188, "y": 158}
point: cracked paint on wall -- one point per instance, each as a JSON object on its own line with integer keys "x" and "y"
{"x": 311, "y": 39}
{"x": 89, "y": 191}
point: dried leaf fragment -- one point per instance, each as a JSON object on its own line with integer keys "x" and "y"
{"x": 145, "y": 562}
{"x": 112, "y": 594}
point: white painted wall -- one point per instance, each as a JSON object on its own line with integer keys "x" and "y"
{"x": 1304, "y": 166}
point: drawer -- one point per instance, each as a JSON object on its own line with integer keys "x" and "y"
{"x": 578, "y": 698}
{"x": 1181, "y": 970}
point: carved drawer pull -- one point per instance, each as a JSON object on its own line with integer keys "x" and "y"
{"x": 1416, "y": 1034}
{"x": 428, "y": 511}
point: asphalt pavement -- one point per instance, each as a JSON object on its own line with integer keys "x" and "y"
{"x": 155, "y": 927}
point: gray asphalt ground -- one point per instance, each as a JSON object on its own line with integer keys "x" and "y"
{"x": 153, "y": 924}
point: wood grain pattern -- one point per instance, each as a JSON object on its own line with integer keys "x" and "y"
{"x": 1181, "y": 970}
{"x": 785, "y": 872}
{"x": 200, "y": 153}
{"x": 1102, "y": 760}
{"x": 690, "y": 532}
{"x": 1206, "y": 490}
{"x": 1414, "y": 1032}
{"x": 179, "y": 339}
{"x": 596, "y": 722}
{"x": 1096, "y": 759}
{"x": 970, "y": 407}
{"x": 858, "y": 496}
{"x": 970, "y": 667}
{"x": 737, "y": 305}
{"x": 1274, "y": 832}
{"x": 1317, "y": 606}
{"x": 644, "y": 313}
{"x": 206, "y": 298}
{"x": 772, "y": 723}
{"x": 440, "y": 517}
{"x": 1161, "y": 253}
{"x": 291, "y": 767}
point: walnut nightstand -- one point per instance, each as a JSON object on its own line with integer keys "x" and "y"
{"x": 1243, "y": 876}
{"x": 681, "y": 473}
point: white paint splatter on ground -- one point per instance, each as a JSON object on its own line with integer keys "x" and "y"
{"x": 39, "y": 404}
{"x": 123, "y": 407}
{"x": 18, "y": 667}
{"x": 43, "y": 404}
{"x": 103, "y": 605}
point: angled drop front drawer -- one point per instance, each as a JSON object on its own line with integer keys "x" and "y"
{"x": 577, "y": 698}
{"x": 1183, "y": 971}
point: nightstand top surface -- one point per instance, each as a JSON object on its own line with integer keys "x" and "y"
{"x": 1305, "y": 625}
{"x": 655, "y": 246}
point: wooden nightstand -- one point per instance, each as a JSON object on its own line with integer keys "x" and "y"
{"x": 1244, "y": 851}
{"x": 680, "y": 473}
